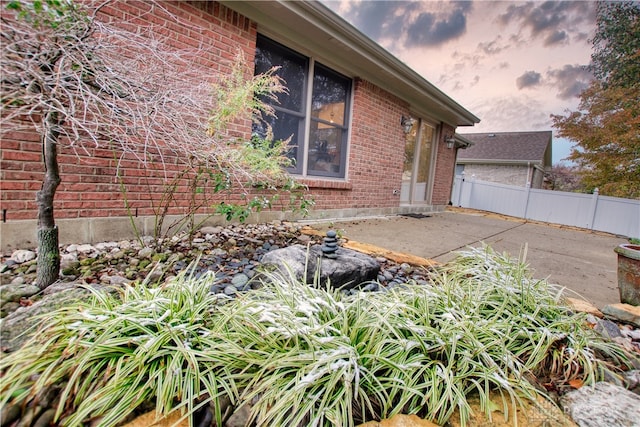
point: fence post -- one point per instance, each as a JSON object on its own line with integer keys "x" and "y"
{"x": 594, "y": 207}
{"x": 527, "y": 194}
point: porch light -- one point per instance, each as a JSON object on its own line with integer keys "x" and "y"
{"x": 406, "y": 123}
{"x": 450, "y": 140}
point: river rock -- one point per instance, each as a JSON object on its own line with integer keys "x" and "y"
{"x": 68, "y": 261}
{"x": 23, "y": 255}
{"x": 146, "y": 252}
{"x": 240, "y": 280}
{"x": 348, "y": 270}
{"x": 210, "y": 230}
{"x": 624, "y": 312}
{"x": 85, "y": 248}
{"x": 14, "y": 291}
{"x": 602, "y": 405}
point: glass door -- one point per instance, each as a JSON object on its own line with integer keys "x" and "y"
{"x": 417, "y": 164}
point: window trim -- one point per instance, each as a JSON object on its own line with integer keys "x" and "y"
{"x": 302, "y": 171}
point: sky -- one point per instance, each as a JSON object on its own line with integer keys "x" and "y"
{"x": 511, "y": 63}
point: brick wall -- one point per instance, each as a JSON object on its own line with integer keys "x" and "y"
{"x": 444, "y": 169}
{"x": 375, "y": 153}
{"x": 90, "y": 187}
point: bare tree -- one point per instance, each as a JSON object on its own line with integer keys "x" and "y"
{"x": 564, "y": 177}
{"x": 82, "y": 82}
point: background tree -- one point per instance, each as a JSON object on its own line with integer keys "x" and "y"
{"x": 606, "y": 127}
{"x": 81, "y": 82}
{"x": 564, "y": 177}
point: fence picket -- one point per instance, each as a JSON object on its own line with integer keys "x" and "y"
{"x": 592, "y": 211}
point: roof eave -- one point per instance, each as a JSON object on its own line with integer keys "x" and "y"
{"x": 499, "y": 162}
{"x": 354, "y": 52}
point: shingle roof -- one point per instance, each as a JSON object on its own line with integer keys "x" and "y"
{"x": 499, "y": 147}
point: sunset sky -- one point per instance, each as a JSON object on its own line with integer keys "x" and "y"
{"x": 511, "y": 63}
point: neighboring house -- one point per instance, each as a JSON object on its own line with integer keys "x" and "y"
{"x": 347, "y": 99}
{"x": 514, "y": 158}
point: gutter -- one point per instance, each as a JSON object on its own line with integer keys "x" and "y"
{"x": 343, "y": 43}
{"x": 498, "y": 162}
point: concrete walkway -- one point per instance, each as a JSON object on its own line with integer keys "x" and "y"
{"x": 580, "y": 260}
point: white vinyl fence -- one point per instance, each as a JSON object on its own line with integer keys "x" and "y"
{"x": 591, "y": 211}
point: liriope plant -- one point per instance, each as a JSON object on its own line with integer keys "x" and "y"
{"x": 301, "y": 354}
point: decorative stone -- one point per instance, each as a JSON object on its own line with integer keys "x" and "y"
{"x": 69, "y": 260}
{"x": 22, "y": 255}
{"x": 211, "y": 230}
{"x": 85, "y": 249}
{"x": 14, "y": 292}
{"x": 118, "y": 281}
{"x": 156, "y": 274}
{"x": 607, "y": 329}
{"x": 17, "y": 281}
{"x": 146, "y": 252}
{"x": 9, "y": 413}
{"x": 602, "y": 404}
{"x": 239, "y": 281}
{"x": 330, "y": 245}
{"x": 350, "y": 270}
{"x": 105, "y": 246}
{"x": 583, "y": 306}
{"x": 624, "y": 312}
{"x": 45, "y": 419}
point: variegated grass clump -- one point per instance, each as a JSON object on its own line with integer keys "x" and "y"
{"x": 117, "y": 351}
{"x": 304, "y": 355}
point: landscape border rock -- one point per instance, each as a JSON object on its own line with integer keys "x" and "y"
{"x": 602, "y": 404}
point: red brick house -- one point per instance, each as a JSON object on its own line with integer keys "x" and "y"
{"x": 347, "y": 100}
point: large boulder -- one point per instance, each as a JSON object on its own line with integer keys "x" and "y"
{"x": 348, "y": 270}
{"x": 19, "y": 325}
{"x": 602, "y": 405}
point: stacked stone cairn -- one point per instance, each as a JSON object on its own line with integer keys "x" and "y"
{"x": 330, "y": 245}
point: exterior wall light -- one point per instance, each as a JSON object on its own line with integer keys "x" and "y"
{"x": 407, "y": 123}
{"x": 450, "y": 140}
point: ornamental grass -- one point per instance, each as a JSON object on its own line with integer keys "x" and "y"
{"x": 310, "y": 355}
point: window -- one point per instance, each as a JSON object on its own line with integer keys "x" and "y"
{"x": 314, "y": 113}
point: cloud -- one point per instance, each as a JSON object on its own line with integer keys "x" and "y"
{"x": 553, "y": 21}
{"x": 556, "y": 37}
{"x": 569, "y": 80}
{"x": 528, "y": 79}
{"x": 509, "y": 114}
{"x": 407, "y": 23}
{"x": 430, "y": 29}
{"x": 492, "y": 47}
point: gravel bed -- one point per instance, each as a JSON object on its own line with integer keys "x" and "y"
{"x": 233, "y": 252}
